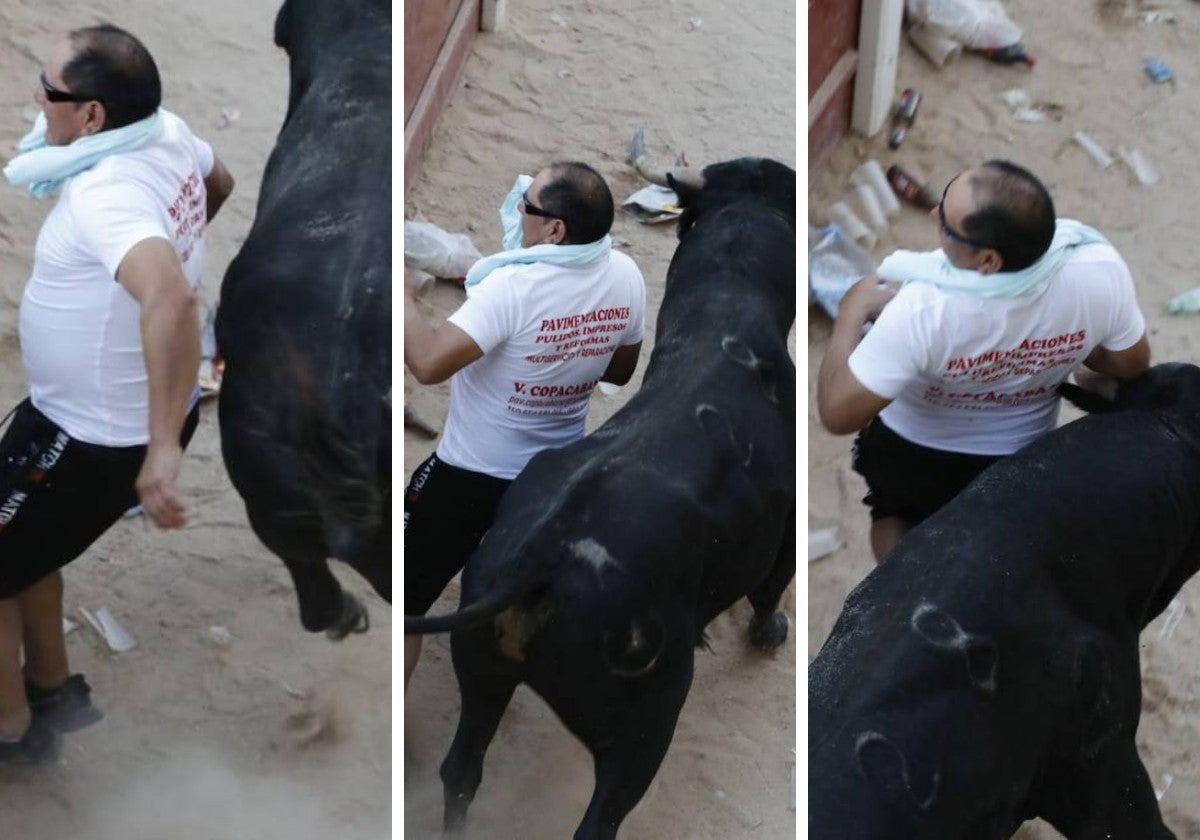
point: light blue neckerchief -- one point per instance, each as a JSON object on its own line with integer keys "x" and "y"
{"x": 933, "y": 266}
{"x": 510, "y": 217}
{"x": 44, "y": 167}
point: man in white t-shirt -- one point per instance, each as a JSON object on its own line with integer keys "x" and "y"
{"x": 523, "y": 354}
{"x": 961, "y": 366}
{"x": 110, "y": 342}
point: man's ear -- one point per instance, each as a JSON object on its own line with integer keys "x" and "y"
{"x": 96, "y": 117}
{"x": 988, "y": 261}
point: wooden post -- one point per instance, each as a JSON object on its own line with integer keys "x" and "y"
{"x": 491, "y": 16}
{"x": 878, "y": 49}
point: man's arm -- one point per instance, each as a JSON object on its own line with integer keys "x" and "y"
{"x": 1123, "y": 364}
{"x": 844, "y": 404}
{"x": 152, "y": 274}
{"x": 433, "y": 354}
{"x": 622, "y": 364}
{"x": 218, "y": 185}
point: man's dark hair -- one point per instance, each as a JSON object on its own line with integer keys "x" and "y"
{"x": 1015, "y": 214}
{"x": 115, "y": 67}
{"x": 578, "y": 195}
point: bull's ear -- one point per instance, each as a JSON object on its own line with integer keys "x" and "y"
{"x": 1086, "y": 400}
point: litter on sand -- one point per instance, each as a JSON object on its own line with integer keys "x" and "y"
{"x": 1157, "y": 70}
{"x": 1026, "y": 109}
{"x": 212, "y": 367}
{"x": 115, "y": 636}
{"x": 1167, "y": 778}
{"x": 1175, "y": 611}
{"x": 653, "y": 204}
{"x": 1095, "y": 150}
{"x": 1142, "y": 169}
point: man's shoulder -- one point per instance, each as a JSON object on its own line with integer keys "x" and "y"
{"x": 623, "y": 261}
{"x": 624, "y": 265}
{"x": 1087, "y": 263}
{"x": 1094, "y": 252}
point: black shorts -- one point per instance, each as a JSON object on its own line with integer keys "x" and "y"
{"x": 58, "y": 495}
{"x": 908, "y": 480}
{"x": 447, "y": 510}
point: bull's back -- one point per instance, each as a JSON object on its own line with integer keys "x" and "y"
{"x": 654, "y": 501}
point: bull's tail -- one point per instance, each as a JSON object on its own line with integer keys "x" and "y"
{"x": 472, "y": 615}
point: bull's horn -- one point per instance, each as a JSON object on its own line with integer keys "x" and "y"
{"x": 657, "y": 174}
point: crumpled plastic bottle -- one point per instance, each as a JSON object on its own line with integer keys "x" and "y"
{"x": 834, "y": 265}
{"x": 1189, "y": 301}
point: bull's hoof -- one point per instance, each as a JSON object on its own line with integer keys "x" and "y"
{"x": 769, "y": 634}
{"x": 454, "y": 817}
{"x": 352, "y": 620}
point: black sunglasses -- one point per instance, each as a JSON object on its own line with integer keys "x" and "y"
{"x": 531, "y": 210}
{"x": 53, "y": 94}
{"x": 950, "y": 234}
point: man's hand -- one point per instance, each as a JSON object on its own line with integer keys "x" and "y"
{"x": 414, "y": 284}
{"x": 866, "y": 299}
{"x": 157, "y": 486}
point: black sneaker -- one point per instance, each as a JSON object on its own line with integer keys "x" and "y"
{"x": 39, "y": 745}
{"x": 66, "y": 707}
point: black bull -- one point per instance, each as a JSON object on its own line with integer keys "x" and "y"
{"x": 987, "y": 671}
{"x": 304, "y": 322}
{"x": 609, "y": 557}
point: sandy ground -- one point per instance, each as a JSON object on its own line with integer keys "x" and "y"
{"x": 572, "y": 80}
{"x": 1090, "y": 64}
{"x": 197, "y": 741}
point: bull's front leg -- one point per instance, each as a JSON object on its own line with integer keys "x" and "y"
{"x": 769, "y": 624}
{"x": 1109, "y": 796}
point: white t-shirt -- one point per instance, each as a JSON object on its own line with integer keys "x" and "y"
{"x": 547, "y": 332}
{"x": 978, "y": 375}
{"x": 80, "y": 333}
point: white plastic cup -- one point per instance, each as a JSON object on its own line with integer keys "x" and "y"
{"x": 823, "y": 541}
{"x": 868, "y": 203}
{"x": 934, "y": 46}
{"x": 852, "y": 226}
{"x": 1145, "y": 173}
{"x": 1095, "y": 150}
{"x": 871, "y": 174}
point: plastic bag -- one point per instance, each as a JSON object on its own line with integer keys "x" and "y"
{"x": 834, "y": 265}
{"x": 429, "y": 248}
{"x": 978, "y": 24}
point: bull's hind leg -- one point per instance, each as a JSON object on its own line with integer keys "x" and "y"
{"x": 627, "y": 761}
{"x": 484, "y": 700}
{"x": 324, "y": 605}
{"x": 769, "y": 624}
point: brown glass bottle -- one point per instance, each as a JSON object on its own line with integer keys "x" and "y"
{"x": 909, "y": 188}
